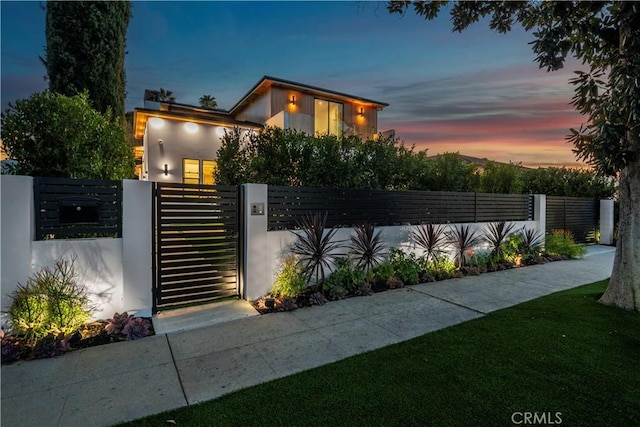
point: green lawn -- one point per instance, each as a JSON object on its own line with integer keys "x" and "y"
{"x": 561, "y": 353}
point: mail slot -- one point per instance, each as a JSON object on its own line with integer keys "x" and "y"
{"x": 79, "y": 210}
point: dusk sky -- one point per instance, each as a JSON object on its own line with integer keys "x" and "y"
{"x": 478, "y": 92}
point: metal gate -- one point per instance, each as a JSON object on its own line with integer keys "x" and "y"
{"x": 196, "y": 243}
{"x": 578, "y": 215}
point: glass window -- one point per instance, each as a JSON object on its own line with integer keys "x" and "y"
{"x": 328, "y": 117}
{"x": 191, "y": 171}
{"x": 208, "y": 170}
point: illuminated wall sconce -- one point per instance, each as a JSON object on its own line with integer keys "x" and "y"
{"x": 293, "y": 100}
{"x": 361, "y": 113}
{"x": 166, "y": 169}
{"x": 156, "y": 122}
{"x": 191, "y": 127}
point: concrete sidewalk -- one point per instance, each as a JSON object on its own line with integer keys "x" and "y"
{"x": 105, "y": 385}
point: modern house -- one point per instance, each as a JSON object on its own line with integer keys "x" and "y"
{"x": 180, "y": 142}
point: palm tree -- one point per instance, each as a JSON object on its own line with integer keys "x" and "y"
{"x": 208, "y": 101}
{"x": 165, "y": 96}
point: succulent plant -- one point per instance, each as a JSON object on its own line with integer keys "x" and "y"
{"x": 366, "y": 247}
{"x": 317, "y": 298}
{"x": 337, "y": 293}
{"x": 364, "y": 289}
{"x": 10, "y": 350}
{"x": 314, "y": 247}
{"x": 430, "y": 238}
{"x": 136, "y": 327}
{"x": 394, "y": 282}
{"x": 463, "y": 239}
{"x": 496, "y": 234}
{"x": 287, "y": 303}
{"x": 117, "y": 323}
{"x": 50, "y": 346}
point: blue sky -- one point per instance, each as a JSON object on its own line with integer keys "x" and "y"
{"x": 479, "y": 93}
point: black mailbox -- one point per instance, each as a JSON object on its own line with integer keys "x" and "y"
{"x": 79, "y": 210}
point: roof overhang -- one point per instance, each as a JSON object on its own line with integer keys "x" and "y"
{"x": 142, "y": 115}
{"x": 267, "y": 82}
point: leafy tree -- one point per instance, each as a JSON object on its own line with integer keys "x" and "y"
{"x": 450, "y": 173}
{"x": 85, "y": 51}
{"x": 233, "y": 164}
{"x": 605, "y": 36}
{"x": 549, "y": 181}
{"x": 287, "y": 157}
{"x": 419, "y": 170}
{"x": 208, "y": 101}
{"x": 568, "y": 182}
{"x": 274, "y": 155}
{"x": 55, "y": 135}
{"x": 165, "y": 96}
{"x": 501, "y": 178}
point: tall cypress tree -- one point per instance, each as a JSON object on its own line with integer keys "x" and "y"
{"x": 85, "y": 50}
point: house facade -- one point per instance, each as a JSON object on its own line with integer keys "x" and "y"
{"x": 180, "y": 142}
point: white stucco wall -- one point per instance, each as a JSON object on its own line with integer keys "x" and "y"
{"x": 16, "y": 233}
{"x": 116, "y": 272}
{"x": 607, "y": 222}
{"x": 275, "y": 245}
{"x": 137, "y": 200}
{"x": 98, "y": 263}
{"x": 171, "y": 143}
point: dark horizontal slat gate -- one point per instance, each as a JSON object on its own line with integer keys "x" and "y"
{"x": 196, "y": 237}
{"x": 578, "y": 215}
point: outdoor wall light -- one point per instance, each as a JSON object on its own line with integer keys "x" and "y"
{"x": 156, "y": 122}
{"x": 191, "y": 127}
{"x": 361, "y": 113}
{"x": 293, "y": 100}
{"x": 166, "y": 169}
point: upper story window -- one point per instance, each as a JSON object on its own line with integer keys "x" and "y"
{"x": 328, "y": 117}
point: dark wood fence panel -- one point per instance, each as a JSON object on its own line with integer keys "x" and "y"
{"x": 196, "y": 233}
{"x": 348, "y": 207}
{"x": 578, "y": 215}
{"x": 68, "y": 208}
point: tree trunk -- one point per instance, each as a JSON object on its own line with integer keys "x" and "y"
{"x": 624, "y": 287}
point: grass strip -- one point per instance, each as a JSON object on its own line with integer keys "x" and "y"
{"x": 563, "y": 353}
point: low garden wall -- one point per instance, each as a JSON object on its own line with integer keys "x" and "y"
{"x": 265, "y": 250}
{"x": 118, "y": 270}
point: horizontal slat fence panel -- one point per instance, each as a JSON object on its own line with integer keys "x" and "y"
{"x": 348, "y": 207}
{"x": 196, "y": 243}
{"x": 578, "y": 215}
{"x": 71, "y": 208}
